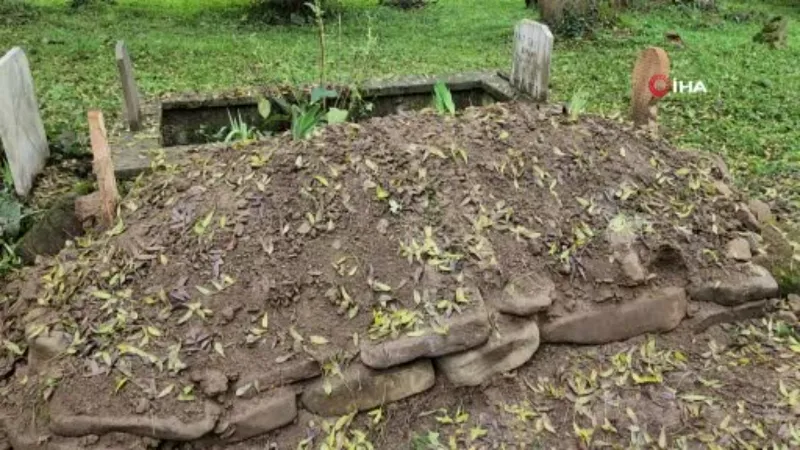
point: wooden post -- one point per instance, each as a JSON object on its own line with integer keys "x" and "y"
{"x": 129, "y": 89}
{"x": 103, "y": 169}
{"x": 530, "y": 70}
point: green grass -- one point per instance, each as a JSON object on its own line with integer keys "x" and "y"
{"x": 751, "y": 113}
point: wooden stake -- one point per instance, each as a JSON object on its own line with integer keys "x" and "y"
{"x": 650, "y": 82}
{"x": 103, "y": 169}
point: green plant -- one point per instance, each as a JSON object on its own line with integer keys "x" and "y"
{"x": 316, "y": 8}
{"x": 443, "y": 99}
{"x": 577, "y": 105}
{"x": 240, "y": 130}
{"x": 8, "y": 178}
{"x": 8, "y": 258}
{"x": 427, "y": 441}
{"x": 306, "y": 116}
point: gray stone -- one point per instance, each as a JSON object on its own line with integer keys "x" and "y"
{"x": 511, "y": 345}
{"x": 530, "y": 69}
{"x": 465, "y": 330}
{"x": 787, "y": 316}
{"x": 761, "y": 210}
{"x": 129, "y": 89}
{"x": 739, "y": 250}
{"x": 748, "y": 219}
{"x": 723, "y": 188}
{"x": 142, "y": 406}
{"x": 256, "y": 417}
{"x": 45, "y": 348}
{"x": 361, "y": 388}
{"x": 21, "y": 128}
{"x": 737, "y": 288}
{"x": 632, "y": 267}
{"x": 656, "y": 311}
{"x": 794, "y": 303}
{"x": 711, "y": 314}
{"x": 527, "y": 294}
{"x": 291, "y": 371}
{"x": 49, "y": 234}
{"x": 167, "y": 428}
{"x": 212, "y": 382}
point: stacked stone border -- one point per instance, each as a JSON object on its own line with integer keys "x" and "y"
{"x": 481, "y": 344}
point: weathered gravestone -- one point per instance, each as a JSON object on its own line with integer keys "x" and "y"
{"x": 650, "y": 82}
{"x": 21, "y": 128}
{"x": 530, "y": 70}
{"x": 129, "y": 89}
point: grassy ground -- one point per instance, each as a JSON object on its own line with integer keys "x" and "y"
{"x": 750, "y": 114}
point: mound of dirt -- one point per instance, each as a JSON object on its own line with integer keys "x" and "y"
{"x": 267, "y": 264}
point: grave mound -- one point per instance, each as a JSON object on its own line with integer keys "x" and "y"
{"x": 245, "y": 283}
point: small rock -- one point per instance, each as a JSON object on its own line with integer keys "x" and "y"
{"x": 711, "y": 314}
{"x": 794, "y": 303}
{"x": 527, "y": 294}
{"x": 747, "y": 218}
{"x": 142, "y": 406}
{"x": 786, "y": 316}
{"x": 465, "y": 330}
{"x": 761, "y": 210}
{"x": 632, "y": 267}
{"x": 90, "y": 439}
{"x": 510, "y": 346}
{"x": 723, "y": 189}
{"x": 737, "y": 288}
{"x": 256, "y": 417}
{"x": 228, "y": 313}
{"x": 212, "y": 382}
{"x": 605, "y": 294}
{"x": 361, "y": 388}
{"x": 658, "y": 310}
{"x": 383, "y": 226}
{"x": 46, "y": 347}
{"x": 739, "y": 249}
{"x": 565, "y": 269}
{"x": 620, "y": 238}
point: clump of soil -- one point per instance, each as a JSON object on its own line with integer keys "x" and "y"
{"x": 241, "y": 259}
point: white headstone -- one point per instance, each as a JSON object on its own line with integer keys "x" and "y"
{"x": 530, "y": 69}
{"x": 21, "y": 128}
{"x": 129, "y": 89}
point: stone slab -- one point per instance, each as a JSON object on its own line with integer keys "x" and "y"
{"x": 755, "y": 283}
{"x": 530, "y": 69}
{"x": 361, "y": 388}
{"x": 655, "y": 311}
{"x": 21, "y": 128}
{"x": 512, "y": 344}
{"x": 464, "y": 331}
{"x": 130, "y": 91}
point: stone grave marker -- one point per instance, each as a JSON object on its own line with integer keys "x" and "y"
{"x": 530, "y": 69}
{"x": 129, "y": 89}
{"x": 21, "y": 129}
{"x": 650, "y": 82}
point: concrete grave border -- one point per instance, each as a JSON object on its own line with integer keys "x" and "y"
{"x": 133, "y": 151}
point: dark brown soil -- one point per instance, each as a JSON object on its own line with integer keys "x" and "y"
{"x": 309, "y": 234}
